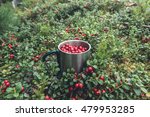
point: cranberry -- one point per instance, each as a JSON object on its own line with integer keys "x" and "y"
{"x": 4, "y": 90}
{"x": 74, "y": 98}
{"x": 70, "y": 89}
{"x": 17, "y": 66}
{"x": 103, "y": 91}
{"x": 102, "y": 78}
{"x": 7, "y": 84}
{"x": 73, "y": 49}
{"x": 89, "y": 70}
{"x": 67, "y": 30}
{"x": 22, "y": 89}
{"x": 77, "y": 85}
{"x": 37, "y": 56}
{"x": 11, "y": 56}
{"x": 10, "y": 46}
{"x": 5, "y": 81}
{"x": 50, "y": 98}
{"x": 76, "y": 38}
{"x": 46, "y": 97}
{"x": 83, "y": 35}
{"x": 95, "y": 89}
{"x": 92, "y": 35}
{"x": 80, "y": 85}
{"x": 98, "y": 92}
{"x": 3, "y": 44}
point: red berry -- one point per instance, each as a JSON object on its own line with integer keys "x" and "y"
{"x": 17, "y": 66}
{"x": 5, "y": 81}
{"x": 98, "y": 92}
{"x": 47, "y": 97}
{"x": 11, "y": 56}
{"x": 4, "y": 90}
{"x": 90, "y": 70}
{"x": 83, "y": 35}
{"x": 80, "y": 47}
{"x": 76, "y": 38}
{"x": 72, "y": 49}
{"x": 10, "y": 46}
{"x": 70, "y": 89}
{"x": 7, "y": 84}
{"x": 3, "y": 44}
{"x": 74, "y": 98}
{"x": 50, "y": 98}
{"x": 103, "y": 91}
{"x": 92, "y": 35}
{"x": 102, "y": 78}
{"x": 95, "y": 89}
{"x": 67, "y": 29}
{"x": 37, "y": 56}
{"x": 77, "y": 85}
{"x": 80, "y": 85}
{"x": 22, "y": 89}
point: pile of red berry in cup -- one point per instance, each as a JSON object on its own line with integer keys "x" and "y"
{"x": 67, "y": 48}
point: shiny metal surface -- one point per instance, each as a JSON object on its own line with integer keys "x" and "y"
{"x": 77, "y": 60}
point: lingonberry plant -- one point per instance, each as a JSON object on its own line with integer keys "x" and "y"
{"x": 118, "y": 66}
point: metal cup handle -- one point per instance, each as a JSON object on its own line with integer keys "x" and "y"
{"x": 57, "y": 53}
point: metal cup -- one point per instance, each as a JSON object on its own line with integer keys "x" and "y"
{"x": 71, "y": 60}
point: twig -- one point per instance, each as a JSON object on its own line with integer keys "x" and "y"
{"x": 146, "y": 26}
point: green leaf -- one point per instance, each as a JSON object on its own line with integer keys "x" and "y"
{"x": 54, "y": 95}
{"x": 26, "y": 95}
{"x": 66, "y": 80}
{"x": 95, "y": 62}
{"x": 18, "y": 86}
{"x": 95, "y": 66}
{"x": 88, "y": 62}
{"x": 90, "y": 95}
{"x": 137, "y": 91}
{"x": 74, "y": 80}
{"x": 126, "y": 87}
{"x": 144, "y": 90}
{"x": 94, "y": 75}
{"x": 16, "y": 95}
{"x": 37, "y": 75}
{"x": 66, "y": 90}
{"x": 71, "y": 83}
{"x": 56, "y": 86}
{"x": 9, "y": 90}
{"x": 100, "y": 82}
{"x": 9, "y": 96}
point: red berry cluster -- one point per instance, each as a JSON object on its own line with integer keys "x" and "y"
{"x": 37, "y": 57}
{"x": 145, "y": 40}
{"x": 98, "y": 91}
{"x": 79, "y": 85}
{"x": 5, "y": 85}
{"x": 67, "y": 48}
{"x": 48, "y": 98}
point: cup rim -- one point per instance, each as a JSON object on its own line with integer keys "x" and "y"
{"x": 74, "y": 41}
